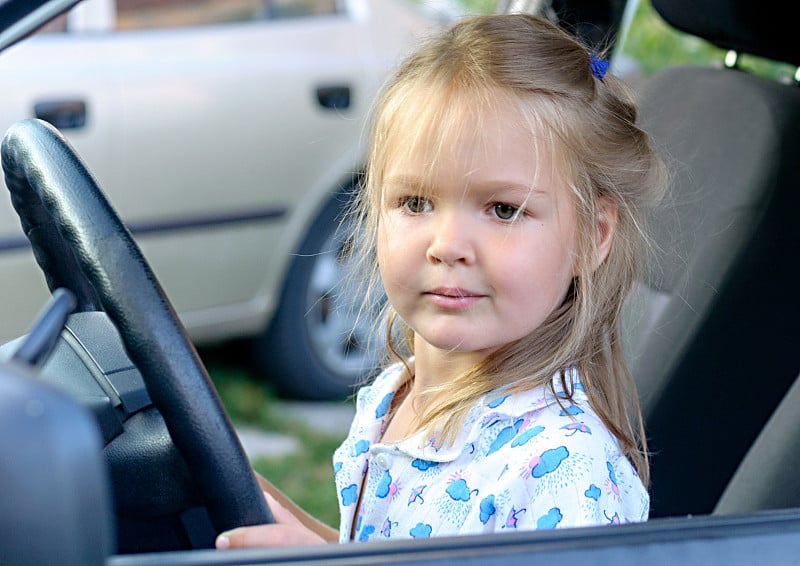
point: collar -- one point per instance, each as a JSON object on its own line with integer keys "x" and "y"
{"x": 495, "y": 406}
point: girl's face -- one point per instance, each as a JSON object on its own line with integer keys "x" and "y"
{"x": 476, "y": 252}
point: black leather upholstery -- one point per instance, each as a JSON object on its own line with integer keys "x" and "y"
{"x": 767, "y": 477}
{"x": 714, "y": 326}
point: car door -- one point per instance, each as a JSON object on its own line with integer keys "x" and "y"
{"x": 216, "y": 128}
{"x": 227, "y": 136}
{"x": 57, "y": 76}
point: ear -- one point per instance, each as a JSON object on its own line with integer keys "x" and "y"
{"x": 606, "y": 227}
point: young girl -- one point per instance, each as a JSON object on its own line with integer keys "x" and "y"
{"x": 502, "y": 212}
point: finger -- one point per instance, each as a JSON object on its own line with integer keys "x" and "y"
{"x": 267, "y": 535}
{"x": 280, "y": 513}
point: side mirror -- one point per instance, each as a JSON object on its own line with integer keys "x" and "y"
{"x": 56, "y": 503}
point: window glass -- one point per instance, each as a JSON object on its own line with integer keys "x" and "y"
{"x": 57, "y": 25}
{"x": 299, "y": 8}
{"x": 145, "y": 14}
{"x": 642, "y": 50}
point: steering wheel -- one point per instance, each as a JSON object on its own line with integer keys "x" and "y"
{"x": 81, "y": 244}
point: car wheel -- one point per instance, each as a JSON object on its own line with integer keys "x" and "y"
{"x": 319, "y": 344}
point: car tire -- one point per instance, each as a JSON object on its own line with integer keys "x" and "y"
{"x": 317, "y": 347}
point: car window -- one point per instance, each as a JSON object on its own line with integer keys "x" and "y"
{"x": 148, "y": 14}
{"x": 299, "y": 8}
{"x": 56, "y": 25}
{"x": 648, "y": 43}
{"x": 153, "y": 14}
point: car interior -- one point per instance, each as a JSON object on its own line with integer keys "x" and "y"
{"x": 714, "y": 346}
{"x": 120, "y": 440}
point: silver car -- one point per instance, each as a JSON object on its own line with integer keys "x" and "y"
{"x": 227, "y": 134}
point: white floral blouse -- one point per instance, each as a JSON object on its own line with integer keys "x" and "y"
{"x": 520, "y": 462}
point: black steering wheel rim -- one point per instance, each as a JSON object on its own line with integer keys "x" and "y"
{"x": 81, "y": 244}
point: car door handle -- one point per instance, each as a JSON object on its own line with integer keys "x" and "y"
{"x": 334, "y": 97}
{"x": 63, "y": 114}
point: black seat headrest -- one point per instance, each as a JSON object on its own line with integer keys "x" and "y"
{"x": 744, "y": 26}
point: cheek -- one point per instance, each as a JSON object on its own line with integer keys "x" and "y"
{"x": 392, "y": 236}
{"x": 387, "y": 256}
{"x": 383, "y": 240}
{"x": 540, "y": 274}
{"x": 561, "y": 256}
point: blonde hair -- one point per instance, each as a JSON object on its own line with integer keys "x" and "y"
{"x": 587, "y": 126}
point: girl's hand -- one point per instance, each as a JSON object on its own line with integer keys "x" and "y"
{"x": 286, "y": 531}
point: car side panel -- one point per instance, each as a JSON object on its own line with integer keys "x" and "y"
{"x": 210, "y": 142}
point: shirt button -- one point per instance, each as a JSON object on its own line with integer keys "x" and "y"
{"x": 382, "y": 462}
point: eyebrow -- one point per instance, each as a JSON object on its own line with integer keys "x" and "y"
{"x": 511, "y": 187}
{"x": 493, "y": 185}
{"x": 408, "y": 182}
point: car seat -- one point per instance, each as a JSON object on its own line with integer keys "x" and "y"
{"x": 767, "y": 478}
{"x": 712, "y": 328}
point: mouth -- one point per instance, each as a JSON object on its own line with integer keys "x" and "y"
{"x": 453, "y": 298}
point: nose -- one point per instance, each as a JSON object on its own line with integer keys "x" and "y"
{"x": 451, "y": 240}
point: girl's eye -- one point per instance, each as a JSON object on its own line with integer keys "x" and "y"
{"x": 415, "y": 205}
{"x": 505, "y": 211}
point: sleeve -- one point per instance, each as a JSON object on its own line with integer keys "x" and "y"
{"x": 572, "y": 476}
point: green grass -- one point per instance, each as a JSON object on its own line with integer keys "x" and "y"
{"x": 305, "y": 475}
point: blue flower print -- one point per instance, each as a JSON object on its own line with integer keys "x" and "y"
{"x": 593, "y": 492}
{"x": 548, "y": 461}
{"x": 423, "y": 465}
{"x": 487, "y": 509}
{"x": 612, "y": 479}
{"x": 571, "y": 410}
{"x": 526, "y": 435}
{"x": 611, "y": 475}
{"x": 383, "y": 407}
{"x": 575, "y": 385}
{"x": 337, "y": 467}
{"x": 421, "y": 530}
{"x": 365, "y": 533}
{"x": 614, "y": 519}
{"x": 536, "y": 456}
{"x": 504, "y": 436}
{"x": 386, "y": 487}
{"x": 550, "y": 520}
{"x": 459, "y": 491}
{"x": 349, "y": 494}
{"x": 576, "y": 427}
{"x": 494, "y": 403}
{"x": 360, "y": 447}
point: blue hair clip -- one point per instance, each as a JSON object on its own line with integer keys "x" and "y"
{"x": 599, "y": 66}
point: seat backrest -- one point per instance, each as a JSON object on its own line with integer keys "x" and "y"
{"x": 712, "y": 330}
{"x": 767, "y": 478}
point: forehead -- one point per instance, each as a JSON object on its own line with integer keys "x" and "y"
{"x": 469, "y": 134}
{"x": 429, "y": 116}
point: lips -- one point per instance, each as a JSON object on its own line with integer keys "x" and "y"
{"x": 453, "y": 298}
